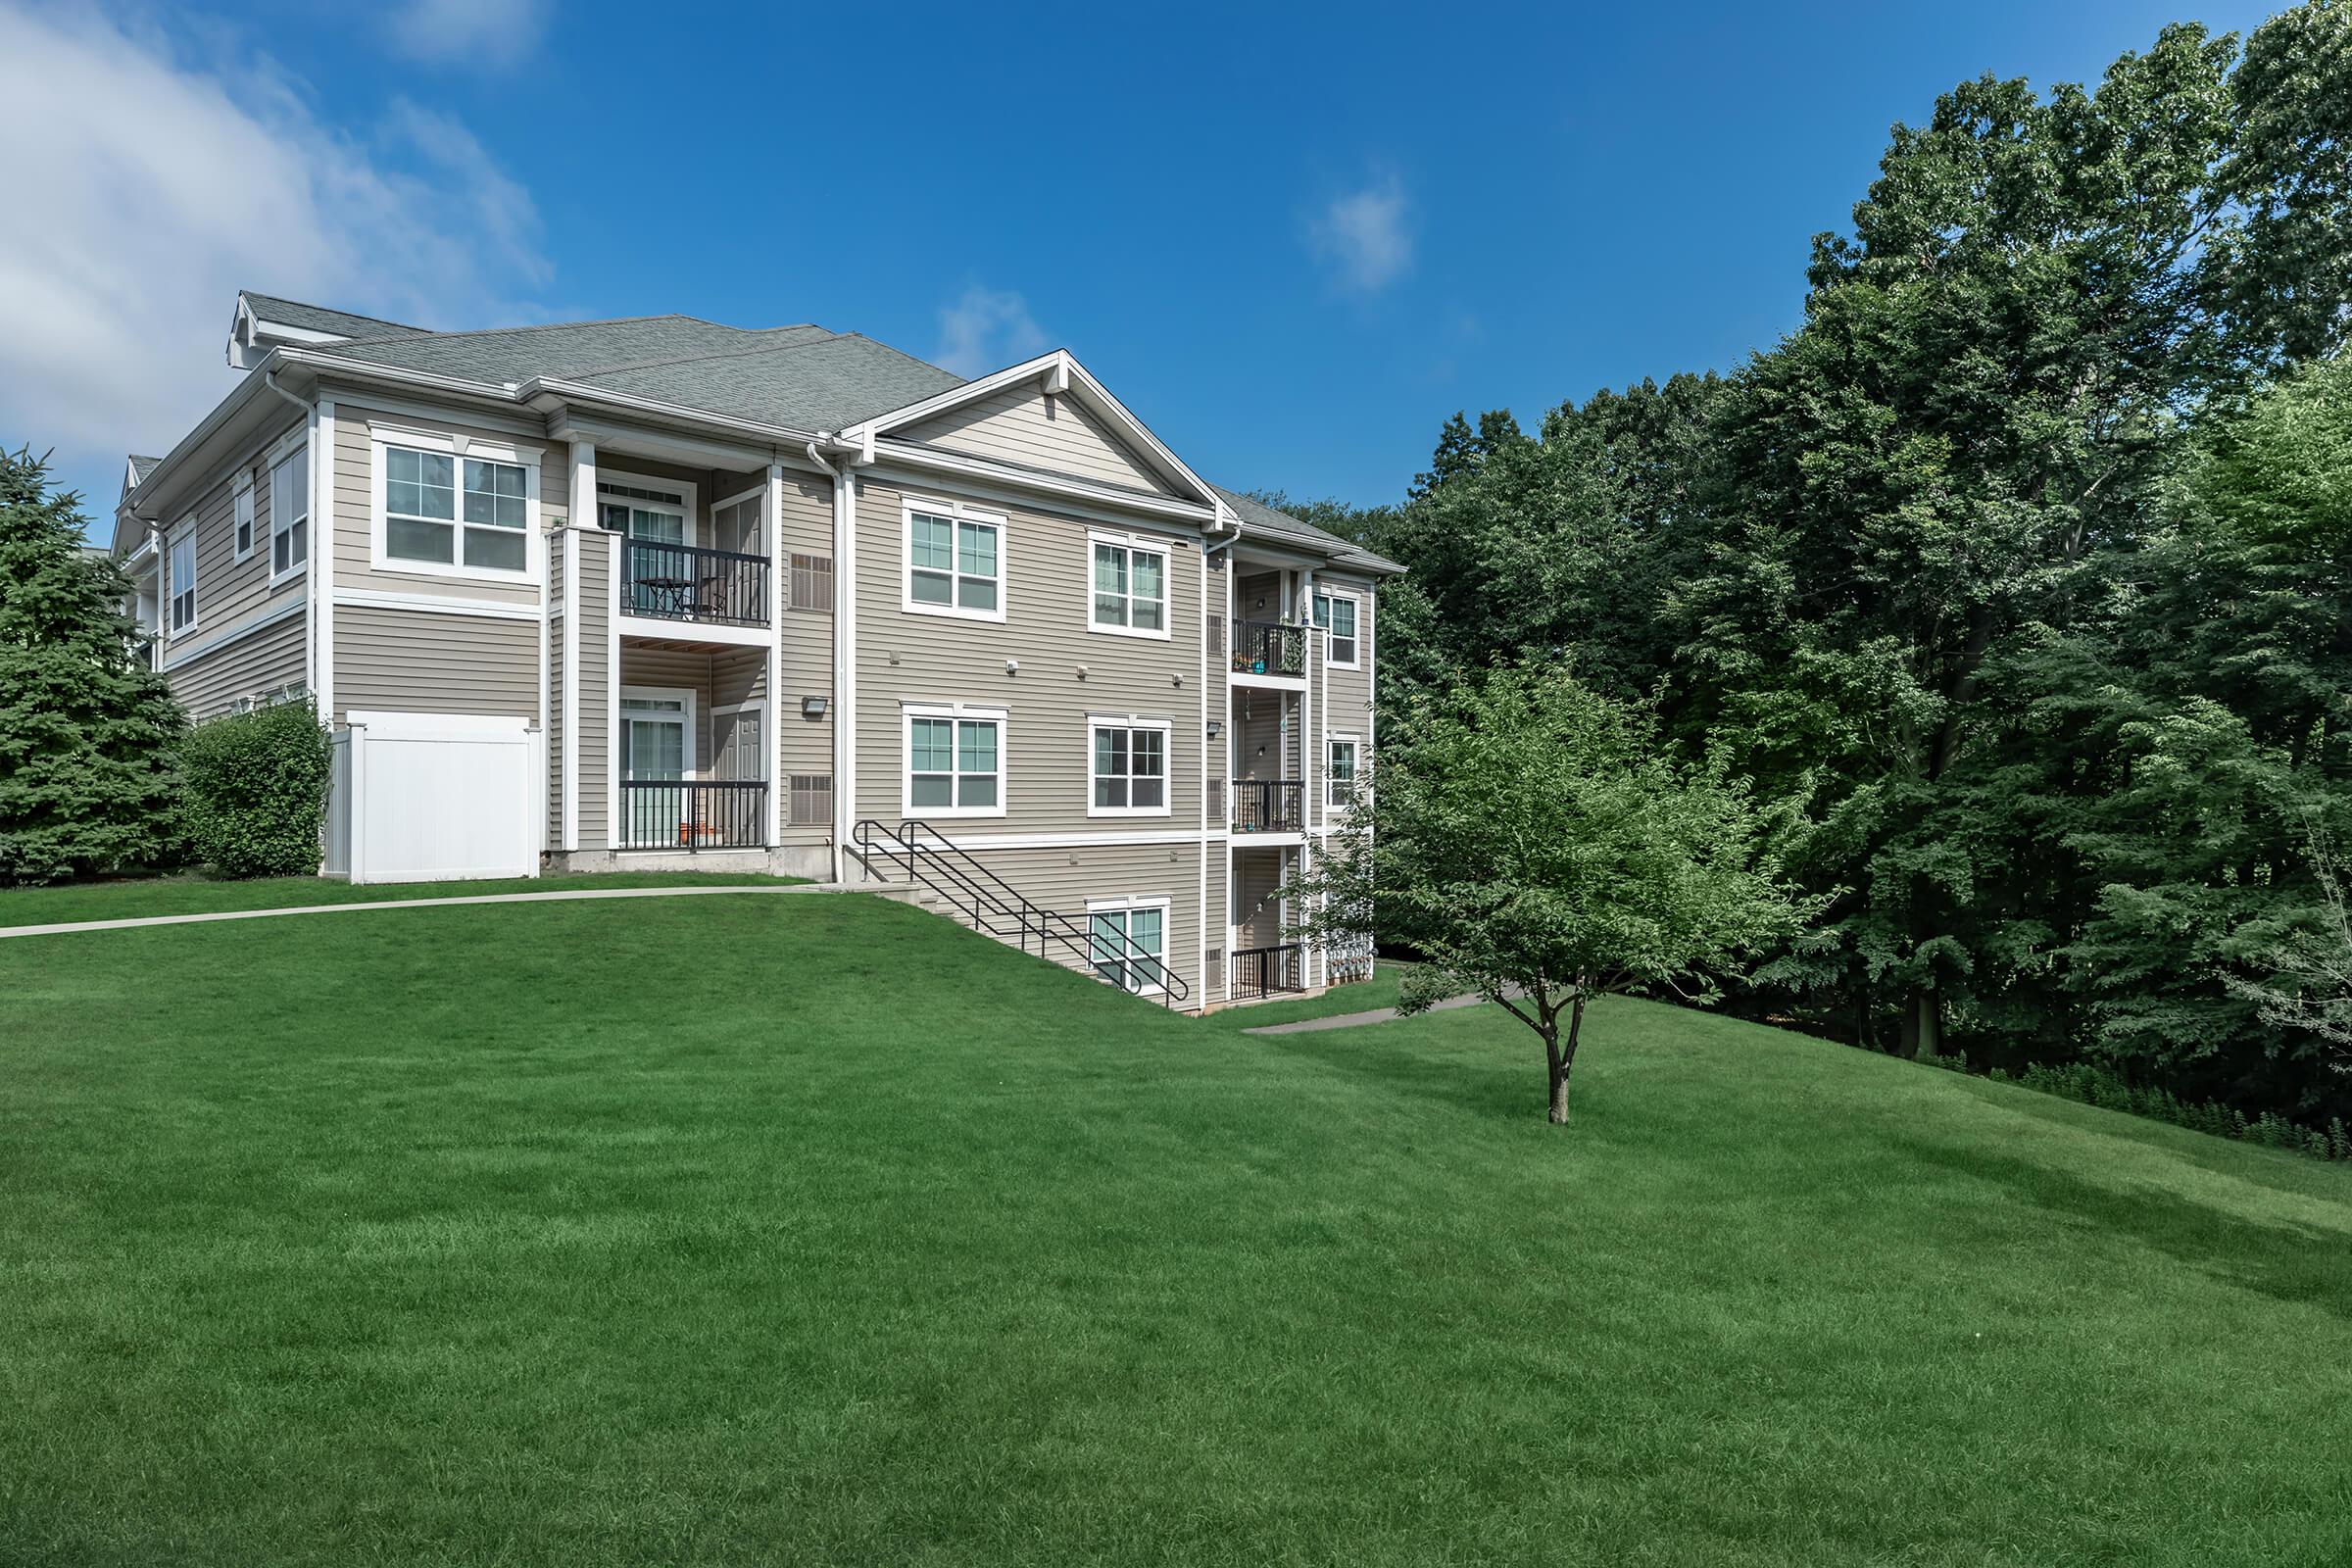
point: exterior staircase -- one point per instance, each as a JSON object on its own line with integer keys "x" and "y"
{"x": 917, "y": 864}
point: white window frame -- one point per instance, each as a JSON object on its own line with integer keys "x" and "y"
{"x": 1332, "y": 799}
{"x": 687, "y": 510}
{"x": 960, "y": 512}
{"x": 295, "y": 450}
{"x": 184, "y": 529}
{"x": 1095, "y": 723}
{"x": 690, "y": 749}
{"x": 243, "y": 519}
{"x": 1133, "y": 544}
{"x": 1128, "y": 906}
{"x": 908, "y": 713}
{"x": 1355, "y": 638}
{"x": 382, "y": 437}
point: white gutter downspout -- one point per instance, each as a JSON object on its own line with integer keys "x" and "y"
{"x": 845, "y": 666}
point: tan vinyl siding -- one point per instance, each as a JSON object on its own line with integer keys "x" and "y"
{"x": 420, "y": 662}
{"x": 804, "y": 652}
{"x": 254, "y": 665}
{"x": 1049, "y": 879}
{"x": 1257, "y": 598}
{"x": 908, "y": 658}
{"x": 355, "y": 485}
{"x": 670, "y": 669}
{"x": 1022, "y": 425}
{"x": 231, "y": 594}
{"x": 597, "y": 762}
{"x": 1257, "y": 874}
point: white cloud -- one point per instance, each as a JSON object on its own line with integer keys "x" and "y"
{"x": 986, "y": 329}
{"x": 1364, "y": 236}
{"x": 150, "y": 186}
{"x": 469, "y": 32}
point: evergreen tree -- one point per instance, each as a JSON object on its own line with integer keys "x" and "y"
{"x": 87, "y": 728}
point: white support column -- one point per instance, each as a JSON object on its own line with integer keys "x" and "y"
{"x": 772, "y": 737}
{"x": 581, "y": 500}
{"x": 845, "y": 659}
{"x": 321, "y": 588}
{"x": 611, "y": 761}
{"x": 1308, "y": 743}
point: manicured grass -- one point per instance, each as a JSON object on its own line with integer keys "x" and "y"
{"x": 1363, "y": 995}
{"x": 817, "y": 1229}
{"x": 134, "y": 897}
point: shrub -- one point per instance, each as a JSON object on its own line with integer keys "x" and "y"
{"x": 256, "y": 791}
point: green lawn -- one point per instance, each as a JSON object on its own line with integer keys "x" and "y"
{"x": 817, "y": 1229}
{"x": 133, "y": 898}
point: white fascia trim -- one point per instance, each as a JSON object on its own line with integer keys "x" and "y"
{"x": 1150, "y": 545}
{"x": 436, "y": 604}
{"x": 1107, "y": 839}
{"x": 175, "y": 658}
{"x": 695, "y": 631}
{"x": 1063, "y": 369}
{"x": 1020, "y": 479}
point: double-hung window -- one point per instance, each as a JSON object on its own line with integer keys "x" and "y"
{"x": 1130, "y": 588}
{"x": 1130, "y": 945}
{"x": 954, "y": 561}
{"x": 1130, "y": 769}
{"x": 181, "y": 578}
{"x": 290, "y": 514}
{"x": 241, "y": 518}
{"x": 1339, "y": 773}
{"x": 955, "y": 765}
{"x": 448, "y": 509}
{"x": 1334, "y": 615}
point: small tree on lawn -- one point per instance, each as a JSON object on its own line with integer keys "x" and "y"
{"x": 87, "y": 728}
{"x": 1533, "y": 842}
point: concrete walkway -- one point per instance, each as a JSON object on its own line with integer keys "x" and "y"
{"x": 1347, "y": 1021}
{"x": 63, "y": 926}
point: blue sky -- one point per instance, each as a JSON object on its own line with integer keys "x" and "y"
{"x": 1293, "y": 241}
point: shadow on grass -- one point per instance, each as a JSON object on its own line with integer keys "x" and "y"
{"x": 1405, "y": 1058}
{"x": 2285, "y": 1261}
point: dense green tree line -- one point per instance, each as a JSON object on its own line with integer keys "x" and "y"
{"x": 2025, "y": 563}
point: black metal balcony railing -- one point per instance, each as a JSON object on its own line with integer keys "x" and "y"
{"x": 693, "y": 813}
{"x": 1268, "y": 647}
{"x": 682, "y": 582}
{"x": 1269, "y": 805}
{"x": 1266, "y": 972}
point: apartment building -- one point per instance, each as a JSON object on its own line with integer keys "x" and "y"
{"x": 658, "y": 592}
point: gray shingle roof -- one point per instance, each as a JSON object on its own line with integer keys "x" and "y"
{"x": 807, "y": 384}
{"x": 141, "y": 466}
{"x": 803, "y": 377}
{"x": 318, "y": 318}
{"x": 1259, "y": 518}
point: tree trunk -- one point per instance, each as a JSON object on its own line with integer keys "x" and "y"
{"x": 1923, "y": 1024}
{"x": 1563, "y": 1059}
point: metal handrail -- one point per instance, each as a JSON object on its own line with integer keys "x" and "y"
{"x": 693, "y": 582}
{"x": 1269, "y": 805}
{"x": 1270, "y": 647}
{"x": 992, "y": 900}
{"x": 1278, "y": 969}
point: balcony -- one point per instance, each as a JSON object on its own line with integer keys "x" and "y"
{"x": 1269, "y": 805}
{"x": 1266, "y": 972}
{"x": 683, "y": 582}
{"x": 1269, "y": 647}
{"x": 693, "y": 814}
